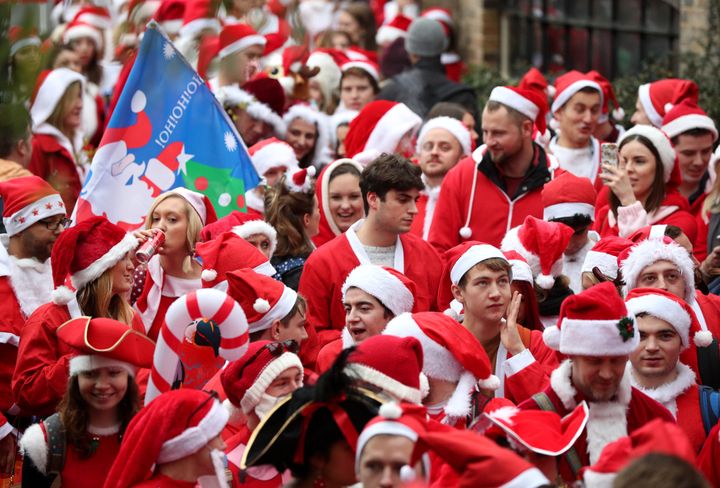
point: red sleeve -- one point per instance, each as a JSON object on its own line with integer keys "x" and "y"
{"x": 536, "y": 376}
{"x": 314, "y": 287}
{"x": 446, "y": 223}
{"x": 41, "y": 374}
{"x": 38, "y": 160}
{"x": 700, "y": 249}
{"x": 11, "y": 323}
{"x": 708, "y": 461}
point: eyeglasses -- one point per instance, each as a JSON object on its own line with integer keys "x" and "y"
{"x": 276, "y": 349}
{"x": 54, "y": 225}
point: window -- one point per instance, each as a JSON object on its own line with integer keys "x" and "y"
{"x": 611, "y": 36}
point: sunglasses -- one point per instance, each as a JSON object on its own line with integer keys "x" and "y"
{"x": 276, "y": 349}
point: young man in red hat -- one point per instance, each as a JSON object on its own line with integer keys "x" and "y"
{"x": 667, "y": 326}
{"x": 606, "y": 130}
{"x": 390, "y": 186}
{"x": 373, "y": 295}
{"x": 487, "y": 194}
{"x": 597, "y": 334}
{"x": 34, "y": 217}
{"x": 656, "y": 98}
{"x": 240, "y": 49}
{"x": 478, "y": 277}
{"x": 576, "y": 108}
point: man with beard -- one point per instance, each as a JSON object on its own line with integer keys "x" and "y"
{"x": 34, "y": 216}
{"x": 487, "y": 194}
{"x": 442, "y": 142}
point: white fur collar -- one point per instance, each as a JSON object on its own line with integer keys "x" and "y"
{"x": 561, "y": 383}
{"x": 31, "y": 281}
{"x": 668, "y": 392}
{"x": 103, "y": 431}
{"x": 347, "y": 340}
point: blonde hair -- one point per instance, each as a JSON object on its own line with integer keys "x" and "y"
{"x": 194, "y": 225}
{"x": 97, "y": 299}
{"x": 56, "y": 118}
{"x": 285, "y": 210}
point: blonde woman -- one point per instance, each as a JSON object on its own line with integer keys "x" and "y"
{"x": 57, "y": 144}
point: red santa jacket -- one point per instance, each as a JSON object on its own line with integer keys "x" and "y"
{"x": 475, "y": 186}
{"x": 162, "y": 481}
{"x": 53, "y": 163}
{"x": 327, "y": 267}
{"x": 10, "y": 327}
{"x": 608, "y": 420}
{"x": 682, "y": 399}
{"x": 708, "y": 461}
{"x": 41, "y": 373}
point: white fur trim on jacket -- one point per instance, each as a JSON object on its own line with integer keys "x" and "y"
{"x": 272, "y": 370}
{"x": 34, "y": 445}
{"x": 252, "y": 227}
{"x": 194, "y": 438}
{"x": 667, "y": 394}
{"x": 665, "y": 309}
{"x": 107, "y": 261}
{"x": 379, "y": 283}
{"x": 390, "y": 385}
{"x": 651, "y": 251}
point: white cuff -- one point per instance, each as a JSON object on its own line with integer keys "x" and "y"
{"x": 7, "y": 429}
{"x": 518, "y": 362}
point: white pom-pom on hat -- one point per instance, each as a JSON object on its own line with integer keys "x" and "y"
{"x": 390, "y": 410}
{"x": 261, "y": 305}
{"x": 407, "y": 474}
{"x": 492, "y": 382}
{"x": 618, "y": 114}
{"x": 311, "y": 171}
{"x": 544, "y": 281}
{"x": 62, "y": 295}
{"x": 554, "y": 124}
{"x": 465, "y": 232}
{"x": 208, "y": 275}
{"x": 550, "y": 90}
{"x": 551, "y": 337}
{"x": 703, "y": 338}
{"x": 668, "y": 107}
{"x": 424, "y": 385}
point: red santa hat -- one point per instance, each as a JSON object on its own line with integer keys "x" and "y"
{"x": 604, "y": 255}
{"x": 395, "y": 419}
{"x": 299, "y": 180}
{"x": 537, "y": 431}
{"x": 105, "y": 343}
{"x": 638, "y": 257}
{"x": 658, "y": 97}
{"x": 90, "y": 21}
{"x": 366, "y": 65}
{"x": 317, "y": 119}
{"x": 263, "y": 299}
{"x": 199, "y": 202}
{"x": 608, "y": 96}
{"x": 453, "y": 126}
{"x": 27, "y": 200}
{"x": 568, "y": 195}
{"x": 140, "y": 11}
{"x": 686, "y": 116}
{"x": 459, "y": 260}
{"x": 395, "y": 29}
{"x": 49, "y": 89}
{"x": 392, "y": 288}
{"x": 173, "y": 426}
{"x": 237, "y": 37}
{"x": 673, "y": 310}
{"x": 661, "y": 142}
{"x": 269, "y": 104}
{"x": 272, "y": 153}
{"x": 85, "y": 252}
{"x": 378, "y": 129}
{"x": 542, "y": 244}
{"x": 656, "y": 436}
{"x": 569, "y": 84}
{"x": 246, "y": 380}
{"x": 655, "y": 231}
{"x": 328, "y": 61}
{"x": 442, "y": 15}
{"x": 229, "y": 252}
{"x": 207, "y": 52}
{"x": 530, "y": 103}
{"x": 198, "y": 16}
{"x": 451, "y": 353}
{"x": 21, "y": 37}
{"x": 170, "y": 15}
{"x": 393, "y": 364}
{"x": 520, "y": 268}
{"x": 594, "y": 323}
{"x": 534, "y": 80}
{"x": 257, "y": 226}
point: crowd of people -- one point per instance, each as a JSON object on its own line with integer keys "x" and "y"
{"x": 425, "y": 289}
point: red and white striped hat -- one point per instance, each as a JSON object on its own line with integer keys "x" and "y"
{"x": 27, "y": 200}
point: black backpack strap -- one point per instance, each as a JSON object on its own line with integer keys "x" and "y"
{"x": 709, "y": 365}
{"x": 56, "y": 444}
{"x": 709, "y": 407}
{"x": 571, "y": 456}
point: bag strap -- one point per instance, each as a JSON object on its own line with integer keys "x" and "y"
{"x": 56, "y": 444}
{"x": 709, "y": 407}
{"x": 571, "y": 456}
{"x": 709, "y": 364}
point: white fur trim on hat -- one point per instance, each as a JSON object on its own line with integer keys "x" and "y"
{"x": 50, "y": 93}
{"x": 232, "y": 96}
{"x": 262, "y": 111}
{"x": 107, "y": 261}
{"x": 363, "y": 65}
{"x": 319, "y": 120}
{"x": 514, "y": 100}
{"x": 607, "y": 263}
{"x": 387, "y": 427}
{"x": 564, "y": 96}
{"x": 591, "y": 337}
{"x": 387, "y": 34}
{"x": 78, "y": 31}
{"x": 23, "y": 43}
{"x": 476, "y": 254}
{"x": 240, "y": 44}
{"x": 660, "y": 141}
{"x": 390, "y": 385}
{"x": 391, "y": 127}
{"x": 594, "y": 479}
{"x": 252, "y": 227}
{"x": 646, "y": 102}
{"x": 456, "y": 128}
{"x": 194, "y": 27}
{"x": 283, "y": 307}
{"x": 651, "y": 251}
{"x": 511, "y": 242}
{"x": 36, "y": 211}
{"x": 568, "y": 209}
{"x": 85, "y": 363}
{"x": 194, "y": 438}
{"x": 274, "y": 155}
{"x": 665, "y": 309}
{"x": 689, "y": 122}
{"x": 272, "y": 370}
{"x": 379, "y": 283}
{"x": 521, "y": 271}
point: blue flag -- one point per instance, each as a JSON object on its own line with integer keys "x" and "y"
{"x": 167, "y": 131}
